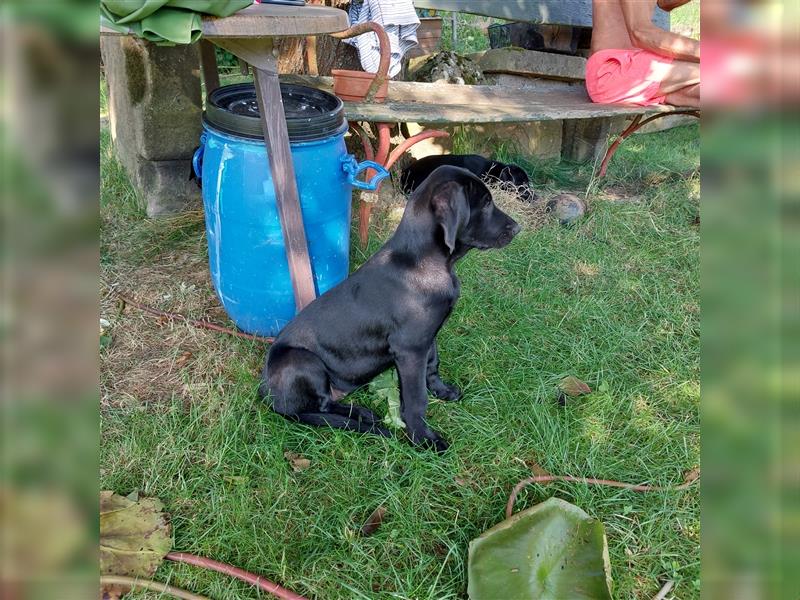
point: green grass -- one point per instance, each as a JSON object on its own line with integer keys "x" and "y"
{"x": 686, "y": 20}
{"x": 612, "y": 300}
{"x": 472, "y": 33}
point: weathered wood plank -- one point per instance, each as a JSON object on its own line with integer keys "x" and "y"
{"x": 532, "y": 63}
{"x": 273, "y": 123}
{"x": 554, "y": 12}
{"x": 208, "y": 61}
{"x": 273, "y": 20}
{"x": 430, "y": 114}
{"x": 432, "y": 103}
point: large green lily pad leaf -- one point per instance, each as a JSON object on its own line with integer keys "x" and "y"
{"x": 552, "y": 551}
{"x": 386, "y": 386}
{"x": 134, "y": 536}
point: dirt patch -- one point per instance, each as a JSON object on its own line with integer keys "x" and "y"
{"x": 618, "y": 193}
{"x": 150, "y": 360}
{"x": 584, "y": 269}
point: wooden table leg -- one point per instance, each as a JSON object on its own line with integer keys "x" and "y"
{"x": 208, "y": 60}
{"x": 259, "y": 53}
{"x": 273, "y": 122}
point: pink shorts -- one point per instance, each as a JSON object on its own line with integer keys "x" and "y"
{"x": 625, "y": 76}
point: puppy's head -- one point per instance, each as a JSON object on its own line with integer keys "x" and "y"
{"x": 519, "y": 178}
{"x": 464, "y": 212}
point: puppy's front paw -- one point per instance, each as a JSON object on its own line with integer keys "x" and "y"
{"x": 444, "y": 391}
{"x": 430, "y": 439}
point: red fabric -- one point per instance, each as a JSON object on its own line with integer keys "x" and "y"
{"x": 625, "y": 76}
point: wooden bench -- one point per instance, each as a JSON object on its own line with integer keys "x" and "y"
{"x": 438, "y": 104}
{"x": 434, "y": 105}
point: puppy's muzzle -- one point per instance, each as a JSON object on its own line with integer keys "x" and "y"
{"x": 508, "y": 233}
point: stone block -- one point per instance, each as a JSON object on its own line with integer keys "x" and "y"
{"x": 431, "y": 146}
{"x": 155, "y": 115}
{"x": 586, "y": 140}
{"x": 166, "y": 187}
{"x": 541, "y": 139}
{"x": 517, "y": 61}
{"x": 522, "y": 82}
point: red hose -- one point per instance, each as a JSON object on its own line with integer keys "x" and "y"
{"x": 369, "y": 153}
{"x": 398, "y": 152}
{"x": 193, "y": 322}
{"x": 256, "y": 580}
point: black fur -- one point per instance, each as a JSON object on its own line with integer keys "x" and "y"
{"x": 415, "y": 174}
{"x": 387, "y": 313}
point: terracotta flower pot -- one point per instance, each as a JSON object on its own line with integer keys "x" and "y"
{"x": 353, "y": 85}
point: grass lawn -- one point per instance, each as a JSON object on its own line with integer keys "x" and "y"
{"x": 613, "y": 300}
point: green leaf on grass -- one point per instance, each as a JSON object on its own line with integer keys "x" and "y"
{"x": 134, "y": 536}
{"x": 105, "y": 337}
{"x": 386, "y": 386}
{"x": 551, "y": 551}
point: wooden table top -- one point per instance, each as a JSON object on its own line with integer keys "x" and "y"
{"x": 271, "y": 20}
{"x": 274, "y": 20}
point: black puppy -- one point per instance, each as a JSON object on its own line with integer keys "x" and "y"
{"x": 415, "y": 174}
{"x": 386, "y": 314}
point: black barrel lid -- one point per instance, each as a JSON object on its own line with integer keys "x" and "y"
{"x": 311, "y": 114}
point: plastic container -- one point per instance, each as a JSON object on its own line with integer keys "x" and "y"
{"x": 246, "y": 252}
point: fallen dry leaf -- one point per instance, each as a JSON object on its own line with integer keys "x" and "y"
{"x": 134, "y": 537}
{"x": 297, "y": 461}
{"x": 536, "y": 469}
{"x": 374, "y": 521}
{"x": 183, "y": 359}
{"x": 113, "y": 591}
{"x": 572, "y": 386}
{"x": 691, "y": 475}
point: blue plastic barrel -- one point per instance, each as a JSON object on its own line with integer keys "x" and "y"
{"x": 246, "y": 251}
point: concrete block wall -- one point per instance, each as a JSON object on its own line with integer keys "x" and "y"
{"x": 155, "y": 112}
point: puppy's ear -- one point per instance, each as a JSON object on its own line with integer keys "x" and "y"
{"x": 451, "y": 210}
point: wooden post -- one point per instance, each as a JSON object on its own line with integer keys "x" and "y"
{"x": 276, "y": 137}
{"x": 261, "y": 55}
{"x": 208, "y": 60}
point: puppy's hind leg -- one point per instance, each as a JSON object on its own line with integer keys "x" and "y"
{"x": 354, "y": 411}
{"x": 300, "y": 390}
{"x": 341, "y": 422}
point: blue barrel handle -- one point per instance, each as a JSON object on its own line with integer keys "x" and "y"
{"x": 197, "y": 158}
{"x": 353, "y": 168}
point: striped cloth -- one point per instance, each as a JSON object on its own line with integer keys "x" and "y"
{"x": 399, "y": 20}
